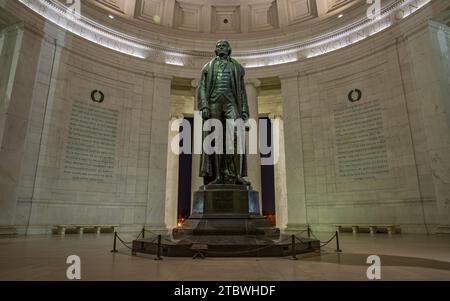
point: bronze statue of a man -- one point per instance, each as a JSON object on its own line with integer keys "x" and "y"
{"x": 222, "y": 96}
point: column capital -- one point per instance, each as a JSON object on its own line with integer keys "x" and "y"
{"x": 273, "y": 116}
{"x": 253, "y": 81}
{"x": 289, "y": 75}
{"x": 176, "y": 116}
{"x": 195, "y": 82}
{"x": 163, "y": 76}
{"x": 153, "y": 75}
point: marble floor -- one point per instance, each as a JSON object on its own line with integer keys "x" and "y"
{"x": 403, "y": 257}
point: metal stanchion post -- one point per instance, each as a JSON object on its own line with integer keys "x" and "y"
{"x": 294, "y": 253}
{"x": 143, "y": 232}
{"x": 114, "y": 250}
{"x": 337, "y": 243}
{"x": 158, "y": 250}
{"x": 309, "y": 232}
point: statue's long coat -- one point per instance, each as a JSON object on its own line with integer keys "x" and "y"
{"x": 206, "y": 86}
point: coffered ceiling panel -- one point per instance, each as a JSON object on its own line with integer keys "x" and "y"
{"x": 117, "y": 5}
{"x": 230, "y": 16}
{"x": 301, "y": 10}
{"x": 335, "y": 4}
{"x": 226, "y": 19}
{"x": 263, "y": 16}
{"x": 188, "y": 16}
{"x": 263, "y": 32}
{"x": 150, "y": 10}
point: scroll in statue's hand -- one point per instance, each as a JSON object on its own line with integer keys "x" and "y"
{"x": 247, "y": 125}
{"x": 206, "y": 113}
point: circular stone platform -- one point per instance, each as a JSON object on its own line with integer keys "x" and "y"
{"x": 225, "y": 246}
{"x": 226, "y": 223}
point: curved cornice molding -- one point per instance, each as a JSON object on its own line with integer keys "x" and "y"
{"x": 86, "y": 28}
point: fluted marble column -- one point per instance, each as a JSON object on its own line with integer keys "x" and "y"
{"x": 254, "y": 160}
{"x": 281, "y": 203}
{"x": 156, "y": 194}
{"x": 436, "y": 115}
{"x": 15, "y": 114}
{"x": 295, "y": 180}
{"x": 196, "y": 180}
{"x": 173, "y": 164}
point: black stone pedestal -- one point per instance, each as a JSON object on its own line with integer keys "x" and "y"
{"x": 226, "y": 200}
{"x": 226, "y": 222}
{"x": 226, "y": 210}
{"x": 226, "y": 246}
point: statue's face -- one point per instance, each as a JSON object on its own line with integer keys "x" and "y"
{"x": 223, "y": 48}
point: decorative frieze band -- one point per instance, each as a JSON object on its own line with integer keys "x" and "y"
{"x": 88, "y": 29}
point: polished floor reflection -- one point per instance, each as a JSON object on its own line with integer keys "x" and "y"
{"x": 403, "y": 257}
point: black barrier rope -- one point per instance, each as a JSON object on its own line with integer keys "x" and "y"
{"x": 312, "y": 234}
{"x": 300, "y": 240}
{"x": 328, "y": 241}
{"x": 240, "y": 252}
{"x": 301, "y": 232}
{"x": 294, "y": 252}
{"x": 126, "y": 244}
{"x": 114, "y": 250}
{"x": 338, "y": 249}
{"x": 140, "y": 234}
{"x": 202, "y": 252}
{"x": 158, "y": 250}
{"x": 156, "y": 234}
{"x": 236, "y": 252}
{"x": 292, "y": 238}
{"x": 324, "y": 243}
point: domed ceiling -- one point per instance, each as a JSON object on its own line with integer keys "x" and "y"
{"x": 262, "y": 32}
{"x": 223, "y": 17}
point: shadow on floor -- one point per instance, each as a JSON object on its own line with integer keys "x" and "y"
{"x": 386, "y": 260}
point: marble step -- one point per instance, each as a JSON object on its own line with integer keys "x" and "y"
{"x": 8, "y": 230}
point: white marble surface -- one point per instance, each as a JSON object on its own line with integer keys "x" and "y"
{"x": 399, "y": 68}
{"x": 403, "y": 257}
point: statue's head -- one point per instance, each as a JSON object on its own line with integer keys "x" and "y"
{"x": 223, "y": 48}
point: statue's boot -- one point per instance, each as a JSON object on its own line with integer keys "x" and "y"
{"x": 242, "y": 181}
{"x": 239, "y": 180}
{"x": 218, "y": 179}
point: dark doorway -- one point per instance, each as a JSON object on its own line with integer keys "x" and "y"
{"x": 184, "y": 179}
{"x": 267, "y": 176}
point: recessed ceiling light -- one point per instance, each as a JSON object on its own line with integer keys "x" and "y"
{"x": 340, "y": 16}
{"x": 111, "y": 16}
{"x": 156, "y": 19}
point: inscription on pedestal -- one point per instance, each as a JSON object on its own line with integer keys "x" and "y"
{"x": 91, "y": 144}
{"x": 361, "y": 151}
{"x": 224, "y": 200}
